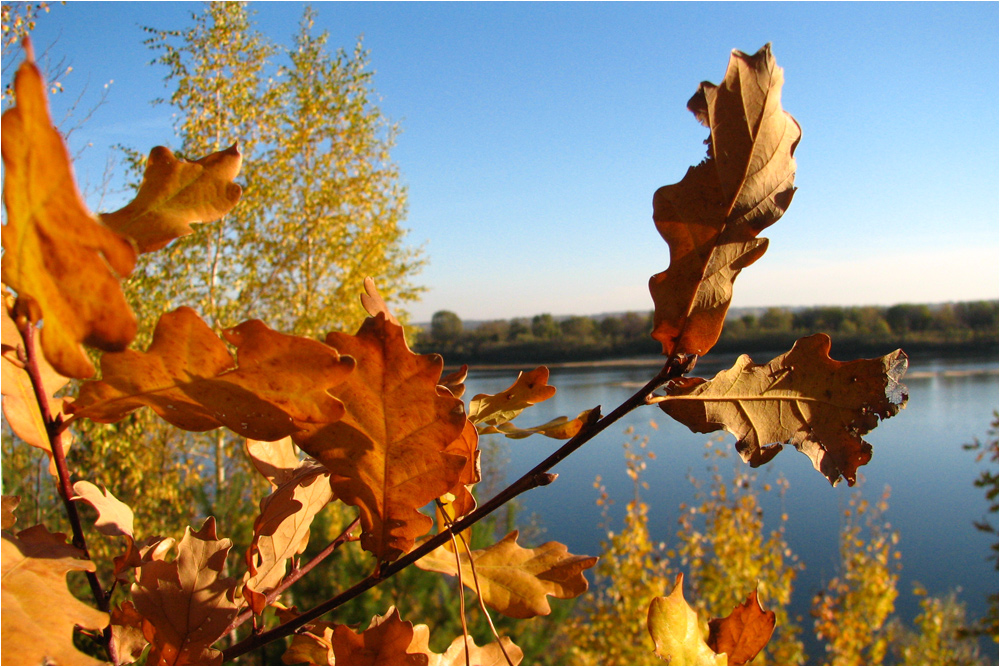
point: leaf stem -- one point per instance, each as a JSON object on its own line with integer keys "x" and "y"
{"x": 674, "y": 368}
{"x": 54, "y": 434}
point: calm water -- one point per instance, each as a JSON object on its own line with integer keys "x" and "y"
{"x": 918, "y": 454}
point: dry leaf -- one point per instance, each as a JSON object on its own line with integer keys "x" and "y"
{"x": 276, "y": 460}
{"x": 39, "y": 612}
{"x": 803, "y": 398}
{"x": 516, "y": 581}
{"x": 282, "y": 526}
{"x": 188, "y": 377}
{"x": 529, "y": 388}
{"x": 385, "y": 642}
{"x": 20, "y": 405}
{"x": 742, "y": 634}
{"x": 126, "y": 632}
{"x": 311, "y": 647}
{"x": 676, "y": 633}
{"x": 711, "y": 219}
{"x": 10, "y": 503}
{"x": 561, "y": 428}
{"x": 454, "y": 382}
{"x": 62, "y": 263}
{"x": 391, "y": 453}
{"x": 175, "y": 193}
{"x": 114, "y": 518}
{"x": 186, "y": 604}
{"x": 373, "y": 302}
{"x": 490, "y": 654}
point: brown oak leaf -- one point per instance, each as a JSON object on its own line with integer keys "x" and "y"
{"x": 176, "y": 193}
{"x": 804, "y": 398}
{"x": 281, "y": 383}
{"x": 560, "y": 428}
{"x": 186, "y": 604}
{"x": 64, "y": 265}
{"x": 126, "y": 632}
{"x": 456, "y": 654}
{"x": 39, "y": 612}
{"x": 276, "y": 460}
{"x": 516, "y": 581}
{"x": 742, "y": 634}
{"x": 712, "y": 217}
{"x": 392, "y": 452}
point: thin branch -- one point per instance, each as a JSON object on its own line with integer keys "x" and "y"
{"x": 296, "y": 574}
{"x": 537, "y": 476}
{"x": 53, "y": 432}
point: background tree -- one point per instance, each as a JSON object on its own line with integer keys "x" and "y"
{"x": 446, "y": 326}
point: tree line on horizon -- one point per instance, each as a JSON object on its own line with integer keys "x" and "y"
{"x": 964, "y": 326}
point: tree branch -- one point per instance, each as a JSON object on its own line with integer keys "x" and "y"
{"x": 537, "y": 476}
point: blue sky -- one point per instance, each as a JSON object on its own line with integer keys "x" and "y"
{"x": 534, "y": 135}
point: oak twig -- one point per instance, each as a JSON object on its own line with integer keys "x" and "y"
{"x": 674, "y": 368}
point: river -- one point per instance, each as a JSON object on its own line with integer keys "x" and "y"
{"x": 918, "y": 454}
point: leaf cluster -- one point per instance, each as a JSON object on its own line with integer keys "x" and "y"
{"x": 385, "y": 433}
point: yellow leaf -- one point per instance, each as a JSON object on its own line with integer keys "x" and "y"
{"x": 62, "y": 263}
{"x": 516, "y": 581}
{"x": 711, "y": 218}
{"x": 529, "y": 388}
{"x": 804, "y": 398}
{"x": 392, "y": 452}
{"x": 39, "y": 612}
{"x": 674, "y": 627}
{"x": 175, "y": 193}
{"x": 490, "y": 654}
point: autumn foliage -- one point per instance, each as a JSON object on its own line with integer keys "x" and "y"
{"x": 384, "y": 432}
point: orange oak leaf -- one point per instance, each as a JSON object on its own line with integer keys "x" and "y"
{"x": 529, "y": 388}
{"x": 454, "y": 382}
{"x": 742, "y": 634}
{"x": 464, "y": 502}
{"x": 176, "y": 193}
{"x": 282, "y": 383}
{"x": 804, "y": 398}
{"x": 373, "y": 302}
{"x": 516, "y": 581}
{"x": 276, "y": 460}
{"x": 39, "y": 612}
{"x": 186, "y": 604}
{"x": 281, "y": 530}
{"x": 20, "y": 406}
{"x": 392, "y": 452}
{"x": 676, "y": 633}
{"x": 386, "y": 641}
{"x": 712, "y": 217}
{"x": 63, "y": 264}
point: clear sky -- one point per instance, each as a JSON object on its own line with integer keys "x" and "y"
{"x": 534, "y": 135}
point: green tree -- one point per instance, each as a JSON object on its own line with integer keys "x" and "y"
{"x": 446, "y": 326}
{"x": 544, "y": 326}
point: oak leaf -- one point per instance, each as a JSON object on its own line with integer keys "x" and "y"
{"x": 114, "y": 519}
{"x": 10, "y": 503}
{"x": 186, "y": 604}
{"x": 126, "y": 632}
{"x": 455, "y": 655}
{"x": 187, "y": 376}
{"x": 276, "y": 460}
{"x": 454, "y": 382}
{"x": 804, "y": 398}
{"x": 281, "y": 530}
{"x": 311, "y": 646}
{"x": 174, "y": 194}
{"x": 516, "y": 581}
{"x": 676, "y": 633}
{"x": 373, "y": 302}
{"x": 529, "y": 388}
{"x": 392, "y": 452}
{"x": 560, "y": 428}
{"x": 742, "y": 634}
{"x": 39, "y": 612}
{"x": 712, "y": 217}
{"x": 63, "y": 264}
{"x": 386, "y": 641}
{"x": 20, "y": 405}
